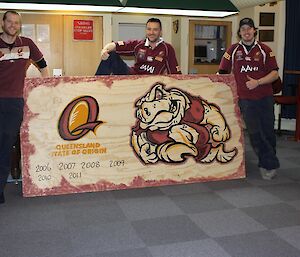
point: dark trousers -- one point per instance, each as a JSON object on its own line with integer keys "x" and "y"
{"x": 11, "y": 115}
{"x": 259, "y": 119}
{"x": 113, "y": 65}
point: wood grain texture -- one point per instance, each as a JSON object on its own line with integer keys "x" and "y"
{"x": 105, "y": 158}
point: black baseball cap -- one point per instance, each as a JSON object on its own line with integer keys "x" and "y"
{"x": 247, "y": 21}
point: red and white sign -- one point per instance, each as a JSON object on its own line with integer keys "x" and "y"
{"x": 83, "y": 30}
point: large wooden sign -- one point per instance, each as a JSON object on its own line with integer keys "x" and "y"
{"x": 84, "y": 134}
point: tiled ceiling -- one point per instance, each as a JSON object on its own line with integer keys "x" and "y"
{"x": 240, "y": 4}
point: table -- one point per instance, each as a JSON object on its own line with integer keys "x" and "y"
{"x": 297, "y": 132}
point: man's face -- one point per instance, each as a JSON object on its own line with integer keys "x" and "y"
{"x": 12, "y": 24}
{"x": 153, "y": 31}
{"x": 247, "y": 33}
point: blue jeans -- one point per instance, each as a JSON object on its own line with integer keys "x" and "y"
{"x": 259, "y": 119}
{"x": 113, "y": 65}
{"x": 11, "y": 115}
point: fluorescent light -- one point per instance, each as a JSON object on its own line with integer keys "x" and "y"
{"x": 58, "y": 7}
{"x": 177, "y": 12}
{"x": 95, "y": 8}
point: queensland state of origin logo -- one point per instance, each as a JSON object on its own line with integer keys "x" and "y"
{"x": 78, "y": 118}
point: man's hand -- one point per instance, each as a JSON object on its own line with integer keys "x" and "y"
{"x": 104, "y": 54}
{"x": 106, "y": 50}
{"x": 252, "y": 83}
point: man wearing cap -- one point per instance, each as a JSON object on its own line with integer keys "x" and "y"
{"x": 255, "y": 68}
{"x": 152, "y": 55}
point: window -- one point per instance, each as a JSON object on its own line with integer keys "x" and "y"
{"x": 208, "y": 42}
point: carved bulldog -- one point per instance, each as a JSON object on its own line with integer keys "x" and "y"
{"x": 172, "y": 125}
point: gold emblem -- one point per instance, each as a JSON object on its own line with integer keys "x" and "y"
{"x": 227, "y": 56}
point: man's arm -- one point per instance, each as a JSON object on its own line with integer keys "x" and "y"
{"x": 42, "y": 67}
{"x": 271, "y": 66}
{"x": 225, "y": 66}
{"x": 37, "y": 59}
{"x": 107, "y": 49}
{"x": 44, "y": 72}
{"x": 172, "y": 64}
{"x": 121, "y": 48}
{"x": 269, "y": 78}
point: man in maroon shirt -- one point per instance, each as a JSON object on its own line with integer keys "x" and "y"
{"x": 255, "y": 68}
{"x": 152, "y": 55}
{"x": 15, "y": 54}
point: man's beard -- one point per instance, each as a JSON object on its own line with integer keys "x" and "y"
{"x": 248, "y": 41}
{"x": 153, "y": 41}
{"x": 6, "y": 31}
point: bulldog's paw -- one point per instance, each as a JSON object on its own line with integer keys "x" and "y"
{"x": 220, "y": 134}
{"x": 147, "y": 153}
{"x": 175, "y": 152}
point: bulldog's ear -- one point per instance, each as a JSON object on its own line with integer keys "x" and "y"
{"x": 159, "y": 86}
{"x": 152, "y": 93}
{"x": 204, "y": 103}
{"x": 139, "y": 102}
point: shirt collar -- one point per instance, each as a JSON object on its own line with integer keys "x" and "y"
{"x": 254, "y": 44}
{"x": 147, "y": 42}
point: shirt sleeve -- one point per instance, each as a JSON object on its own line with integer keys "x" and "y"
{"x": 126, "y": 48}
{"x": 271, "y": 63}
{"x": 172, "y": 64}
{"x": 35, "y": 53}
{"x": 226, "y": 61}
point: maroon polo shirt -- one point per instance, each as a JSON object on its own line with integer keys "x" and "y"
{"x": 13, "y": 63}
{"x": 148, "y": 61}
{"x": 256, "y": 63}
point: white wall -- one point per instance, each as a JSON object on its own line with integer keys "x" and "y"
{"x": 142, "y": 19}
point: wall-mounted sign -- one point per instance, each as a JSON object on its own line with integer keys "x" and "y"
{"x": 266, "y": 19}
{"x": 266, "y": 35}
{"x": 101, "y": 133}
{"x": 83, "y": 30}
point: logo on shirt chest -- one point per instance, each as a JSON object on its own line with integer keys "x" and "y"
{"x": 248, "y": 68}
{"x": 158, "y": 58}
{"x": 257, "y": 56}
{"x": 147, "y": 68}
{"x": 239, "y": 55}
{"x": 20, "y": 52}
{"x": 150, "y": 58}
{"x": 141, "y": 54}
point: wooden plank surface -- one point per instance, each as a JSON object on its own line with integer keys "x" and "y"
{"x": 83, "y": 134}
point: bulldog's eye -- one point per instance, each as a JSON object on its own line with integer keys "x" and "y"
{"x": 158, "y": 95}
